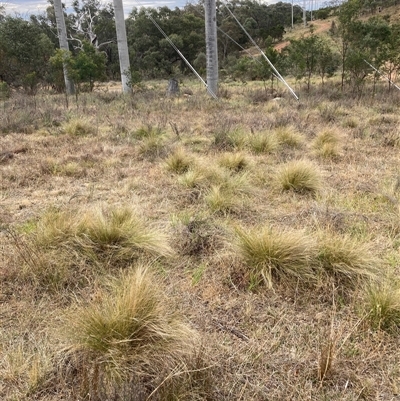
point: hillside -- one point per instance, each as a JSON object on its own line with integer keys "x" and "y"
{"x": 392, "y": 14}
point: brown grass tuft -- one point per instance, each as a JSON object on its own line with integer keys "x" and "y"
{"x": 300, "y": 176}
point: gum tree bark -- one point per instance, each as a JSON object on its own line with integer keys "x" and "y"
{"x": 122, "y": 45}
{"x": 211, "y": 45}
{"x": 62, "y": 37}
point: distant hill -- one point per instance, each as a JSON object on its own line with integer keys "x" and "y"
{"x": 391, "y": 13}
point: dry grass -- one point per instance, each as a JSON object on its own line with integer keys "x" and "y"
{"x": 130, "y": 339}
{"x": 64, "y": 250}
{"x": 326, "y": 144}
{"x": 289, "y": 136}
{"x": 165, "y": 183}
{"x": 262, "y": 142}
{"x": 382, "y": 305}
{"x": 234, "y": 161}
{"x": 347, "y": 259}
{"x": 79, "y": 127}
{"x": 300, "y": 176}
{"x": 179, "y": 161}
{"x": 271, "y": 253}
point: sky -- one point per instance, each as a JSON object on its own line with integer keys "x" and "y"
{"x": 25, "y": 8}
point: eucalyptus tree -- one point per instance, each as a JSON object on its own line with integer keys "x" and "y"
{"x": 151, "y": 53}
{"x": 123, "y": 53}
{"x": 62, "y": 37}
{"x": 94, "y": 22}
{"x": 211, "y": 46}
{"x": 24, "y": 52}
{"x": 348, "y": 14}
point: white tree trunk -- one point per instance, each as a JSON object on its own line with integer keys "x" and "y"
{"x": 122, "y": 45}
{"x": 62, "y": 37}
{"x": 211, "y": 45}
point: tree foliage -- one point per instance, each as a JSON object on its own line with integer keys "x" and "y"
{"x": 24, "y": 49}
{"x": 28, "y": 53}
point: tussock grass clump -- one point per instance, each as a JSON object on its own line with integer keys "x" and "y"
{"x": 300, "y": 176}
{"x": 56, "y": 228}
{"x": 225, "y": 139}
{"x": 107, "y": 236}
{"x": 382, "y": 305}
{"x": 259, "y": 96}
{"x": 121, "y": 234}
{"x": 129, "y": 340}
{"x": 152, "y": 141}
{"x": 345, "y": 258}
{"x": 61, "y": 249}
{"x": 193, "y": 178}
{"x": 79, "y": 127}
{"x": 289, "y": 136}
{"x": 147, "y": 132}
{"x": 234, "y": 161}
{"x": 221, "y": 199}
{"x": 262, "y": 142}
{"x": 350, "y": 122}
{"x": 271, "y": 253}
{"x": 239, "y": 184}
{"x": 326, "y": 143}
{"x": 228, "y": 192}
{"x": 23, "y": 363}
{"x": 152, "y": 147}
{"x": 179, "y": 161}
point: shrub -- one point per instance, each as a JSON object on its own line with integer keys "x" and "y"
{"x": 300, "y": 176}
{"x": 129, "y": 340}
{"x": 5, "y": 92}
{"x": 271, "y": 253}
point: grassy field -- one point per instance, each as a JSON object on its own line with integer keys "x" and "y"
{"x": 191, "y": 249}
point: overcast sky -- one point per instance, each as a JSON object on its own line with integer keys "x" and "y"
{"x": 28, "y": 7}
